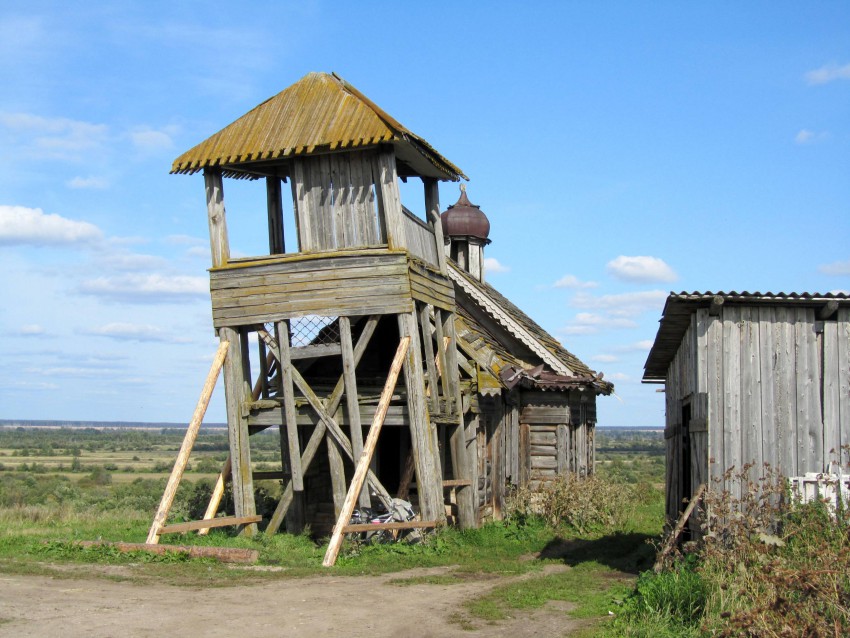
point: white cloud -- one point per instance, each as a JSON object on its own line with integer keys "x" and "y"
{"x": 641, "y": 269}
{"x": 198, "y": 251}
{"x": 626, "y": 304}
{"x": 805, "y": 136}
{"x": 571, "y": 281}
{"x": 618, "y": 376}
{"x": 644, "y": 345}
{"x": 152, "y": 288}
{"x": 605, "y": 358}
{"x": 31, "y": 226}
{"x": 31, "y": 330}
{"x": 151, "y": 140}
{"x": 840, "y": 268}
{"x": 96, "y": 183}
{"x": 132, "y": 261}
{"x": 828, "y": 73}
{"x": 492, "y": 265}
{"x": 131, "y": 332}
{"x": 586, "y": 323}
{"x": 54, "y": 137}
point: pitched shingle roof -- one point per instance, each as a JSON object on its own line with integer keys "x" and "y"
{"x": 319, "y": 113}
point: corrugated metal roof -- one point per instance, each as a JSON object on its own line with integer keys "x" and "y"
{"x": 676, "y": 317}
{"x": 319, "y": 113}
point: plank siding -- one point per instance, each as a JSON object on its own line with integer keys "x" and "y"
{"x": 751, "y": 433}
{"x": 843, "y": 330}
{"x": 809, "y": 415}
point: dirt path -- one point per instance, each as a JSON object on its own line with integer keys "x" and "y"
{"x": 366, "y": 606}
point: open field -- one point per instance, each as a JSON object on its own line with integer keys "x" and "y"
{"x": 522, "y": 577}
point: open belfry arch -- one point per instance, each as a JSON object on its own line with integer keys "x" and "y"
{"x": 367, "y": 292}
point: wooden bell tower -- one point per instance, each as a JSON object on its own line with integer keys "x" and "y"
{"x": 367, "y": 275}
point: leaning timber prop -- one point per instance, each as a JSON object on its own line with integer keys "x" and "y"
{"x": 158, "y": 526}
{"x": 670, "y": 543}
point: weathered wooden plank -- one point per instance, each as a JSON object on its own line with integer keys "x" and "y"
{"x": 767, "y": 373}
{"x": 353, "y": 411}
{"x": 315, "y": 351}
{"x": 785, "y": 389}
{"x": 224, "y": 554}
{"x": 544, "y": 462}
{"x": 432, "y": 214}
{"x": 544, "y": 438}
{"x": 750, "y": 391}
{"x": 424, "y": 314}
{"x": 562, "y": 439}
{"x": 543, "y": 450}
{"x": 224, "y": 521}
{"x": 236, "y": 393}
{"x": 339, "y": 307}
{"x": 219, "y": 244}
{"x": 843, "y": 329}
{"x": 831, "y": 400}
{"x": 809, "y": 415}
{"x": 245, "y": 284}
{"x": 339, "y": 200}
{"x": 423, "y": 437}
{"x": 309, "y": 262}
{"x": 373, "y": 527}
{"x": 282, "y": 328}
{"x": 389, "y": 201}
{"x": 732, "y": 391}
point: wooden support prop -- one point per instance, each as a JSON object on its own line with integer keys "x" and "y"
{"x": 217, "y": 494}
{"x": 828, "y": 309}
{"x": 224, "y": 521}
{"x": 287, "y": 371}
{"x": 188, "y": 443}
{"x": 224, "y": 554}
{"x": 365, "y": 458}
{"x": 374, "y": 527}
{"x": 670, "y": 543}
{"x": 716, "y": 304}
{"x": 351, "y": 403}
{"x": 319, "y": 431}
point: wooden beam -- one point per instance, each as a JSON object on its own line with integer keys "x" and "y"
{"x": 351, "y": 403}
{"x": 275, "y": 210}
{"x": 188, "y": 443}
{"x": 406, "y": 477}
{"x": 432, "y": 214}
{"x": 217, "y": 493}
{"x": 224, "y": 521}
{"x": 362, "y": 467}
{"x": 716, "y": 305}
{"x": 828, "y": 309}
{"x": 224, "y": 554}
{"x": 374, "y": 527}
{"x": 389, "y": 201}
{"x": 425, "y": 311}
{"x": 456, "y": 482}
{"x": 423, "y": 436}
{"x": 235, "y": 395}
{"x": 315, "y": 351}
{"x": 462, "y": 452}
{"x": 219, "y": 245}
{"x": 290, "y": 414}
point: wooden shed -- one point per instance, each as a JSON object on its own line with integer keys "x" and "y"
{"x": 751, "y": 379}
{"x": 488, "y": 399}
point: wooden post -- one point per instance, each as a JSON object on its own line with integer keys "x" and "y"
{"x": 237, "y": 427}
{"x": 430, "y": 360}
{"x": 290, "y": 414}
{"x": 432, "y": 213}
{"x": 423, "y": 436}
{"x": 351, "y": 403}
{"x": 188, "y": 443}
{"x": 366, "y": 457}
{"x": 274, "y": 200}
{"x": 219, "y": 245}
{"x": 461, "y": 454}
{"x": 389, "y": 201}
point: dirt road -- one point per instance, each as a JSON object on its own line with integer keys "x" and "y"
{"x": 353, "y": 607}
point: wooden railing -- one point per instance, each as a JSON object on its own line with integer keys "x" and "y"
{"x": 420, "y": 238}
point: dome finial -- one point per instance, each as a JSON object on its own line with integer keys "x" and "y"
{"x": 465, "y": 219}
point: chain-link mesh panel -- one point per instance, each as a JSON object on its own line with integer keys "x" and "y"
{"x": 313, "y": 330}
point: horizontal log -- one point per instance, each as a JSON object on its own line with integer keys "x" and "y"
{"x": 374, "y": 527}
{"x": 224, "y": 521}
{"x": 224, "y": 554}
{"x": 456, "y": 482}
{"x": 269, "y": 476}
{"x": 316, "y": 351}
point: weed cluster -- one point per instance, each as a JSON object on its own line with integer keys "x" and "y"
{"x": 766, "y": 565}
{"x": 585, "y": 505}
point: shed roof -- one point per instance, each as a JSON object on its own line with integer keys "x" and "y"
{"x": 319, "y": 113}
{"x": 676, "y": 317}
{"x": 566, "y": 370}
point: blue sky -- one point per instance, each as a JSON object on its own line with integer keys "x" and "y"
{"x": 621, "y": 150}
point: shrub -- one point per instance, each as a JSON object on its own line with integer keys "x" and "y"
{"x": 589, "y": 504}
